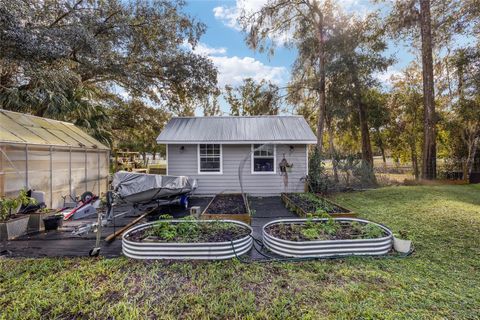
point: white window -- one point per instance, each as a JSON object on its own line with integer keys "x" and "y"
{"x": 263, "y": 158}
{"x": 209, "y": 158}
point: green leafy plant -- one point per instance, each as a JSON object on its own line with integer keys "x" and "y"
{"x": 357, "y": 227}
{"x": 314, "y": 230}
{"x": 164, "y": 230}
{"x": 330, "y": 226}
{"x": 24, "y": 199}
{"x": 310, "y": 233}
{"x": 371, "y": 231}
{"x": 7, "y": 205}
{"x": 317, "y": 202}
{"x": 403, "y": 234}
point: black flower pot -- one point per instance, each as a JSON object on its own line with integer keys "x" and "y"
{"x": 53, "y": 222}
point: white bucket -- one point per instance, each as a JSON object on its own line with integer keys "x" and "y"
{"x": 401, "y": 245}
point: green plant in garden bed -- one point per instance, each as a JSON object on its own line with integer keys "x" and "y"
{"x": 319, "y": 203}
{"x": 310, "y": 203}
{"x": 190, "y": 230}
{"x": 327, "y": 229}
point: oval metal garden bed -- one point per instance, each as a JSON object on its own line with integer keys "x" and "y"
{"x": 186, "y": 250}
{"x": 327, "y": 248}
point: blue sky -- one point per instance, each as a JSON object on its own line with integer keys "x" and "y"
{"x": 224, "y": 43}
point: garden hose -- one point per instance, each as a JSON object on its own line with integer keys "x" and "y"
{"x": 300, "y": 259}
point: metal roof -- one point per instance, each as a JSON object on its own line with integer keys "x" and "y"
{"x": 27, "y": 129}
{"x": 237, "y": 130}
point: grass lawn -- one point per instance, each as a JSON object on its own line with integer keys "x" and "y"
{"x": 441, "y": 280}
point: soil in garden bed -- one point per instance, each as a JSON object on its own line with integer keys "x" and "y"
{"x": 310, "y": 203}
{"x": 189, "y": 231}
{"x": 227, "y": 204}
{"x": 345, "y": 231}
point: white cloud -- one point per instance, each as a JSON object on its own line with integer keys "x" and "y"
{"x": 386, "y": 76}
{"x": 229, "y": 15}
{"x": 232, "y": 70}
{"x": 205, "y": 50}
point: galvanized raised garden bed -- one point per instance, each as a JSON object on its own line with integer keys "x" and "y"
{"x": 186, "y": 251}
{"x": 337, "y": 212}
{"x": 327, "y": 248}
{"x": 229, "y": 206}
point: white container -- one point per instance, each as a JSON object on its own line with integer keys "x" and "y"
{"x": 401, "y": 245}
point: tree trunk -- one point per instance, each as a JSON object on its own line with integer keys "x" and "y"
{"x": 367, "y": 154}
{"x": 414, "y": 157}
{"x": 429, "y": 168}
{"x": 321, "y": 85}
{"x": 333, "y": 153}
{"x": 472, "y": 150}
{"x": 380, "y": 145}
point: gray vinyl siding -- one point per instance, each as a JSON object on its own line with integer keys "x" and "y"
{"x": 185, "y": 163}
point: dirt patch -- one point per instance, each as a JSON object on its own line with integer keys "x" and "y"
{"x": 227, "y": 204}
{"x": 310, "y": 203}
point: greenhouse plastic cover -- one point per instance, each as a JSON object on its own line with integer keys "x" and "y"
{"x": 24, "y": 128}
{"x": 138, "y": 187}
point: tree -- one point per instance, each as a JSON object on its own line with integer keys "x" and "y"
{"x": 296, "y": 23}
{"x": 379, "y": 117}
{"x": 435, "y": 23}
{"x": 252, "y": 98}
{"x": 405, "y": 105}
{"x": 466, "y": 117}
{"x": 429, "y": 167}
{"x": 137, "y": 125}
{"x": 51, "y": 49}
{"x": 355, "y": 51}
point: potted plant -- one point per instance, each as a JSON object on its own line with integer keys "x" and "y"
{"x": 11, "y": 224}
{"x": 402, "y": 242}
{"x": 35, "y": 222}
{"x": 52, "y": 222}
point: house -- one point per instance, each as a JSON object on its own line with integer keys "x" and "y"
{"x": 52, "y": 156}
{"x": 214, "y": 150}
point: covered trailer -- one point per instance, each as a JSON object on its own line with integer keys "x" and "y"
{"x": 52, "y": 156}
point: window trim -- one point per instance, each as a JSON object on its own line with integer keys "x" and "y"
{"x": 221, "y": 160}
{"x": 252, "y": 157}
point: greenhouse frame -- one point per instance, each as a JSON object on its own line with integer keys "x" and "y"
{"x": 52, "y": 156}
